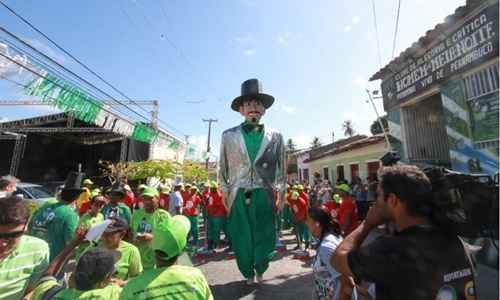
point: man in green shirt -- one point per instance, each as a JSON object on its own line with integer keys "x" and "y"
{"x": 61, "y": 219}
{"x": 169, "y": 280}
{"x": 116, "y": 207}
{"x": 89, "y": 219}
{"x": 144, "y": 221}
{"x": 91, "y": 278}
{"x": 23, "y": 258}
{"x": 130, "y": 264}
{"x": 253, "y": 181}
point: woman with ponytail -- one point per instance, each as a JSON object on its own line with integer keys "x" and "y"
{"x": 328, "y": 283}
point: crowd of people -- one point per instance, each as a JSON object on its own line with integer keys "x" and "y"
{"x": 141, "y": 252}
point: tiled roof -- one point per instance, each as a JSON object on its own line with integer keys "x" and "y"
{"x": 360, "y": 143}
{"x": 428, "y": 38}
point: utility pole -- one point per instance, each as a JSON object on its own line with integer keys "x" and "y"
{"x": 379, "y": 121}
{"x": 210, "y": 121}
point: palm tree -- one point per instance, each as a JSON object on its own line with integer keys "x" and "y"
{"x": 290, "y": 145}
{"x": 316, "y": 142}
{"x": 348, "y": 127}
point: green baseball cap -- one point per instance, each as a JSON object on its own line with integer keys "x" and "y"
{"x": 344, "y": 187}
{"x": 170, "y": 235}
{"x": 87, "y": 181}
{"x": 206, "y": 184}
{"x": 295, "y": 196}
{"x": 142, "y": 186}
{"x": 214, "y": 185}
{"x": 336, "y": 198}
{"x": 150, "y": 192}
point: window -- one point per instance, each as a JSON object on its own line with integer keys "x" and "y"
{"x": 482, "y": 82}
{"x": 340, "y": 173}
{"x": 373, "y": 168}
{"x": 305, "y": 175}
{"x": 326, "y": 174}
{"x": 354, "y": 171}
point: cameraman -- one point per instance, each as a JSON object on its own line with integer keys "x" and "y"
{"x": 422, "y": 261}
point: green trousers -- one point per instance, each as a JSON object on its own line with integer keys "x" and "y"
{"x": 215, "y": 226}
{"x": 303, "y": 232}
{"x": 193, "y": 232}
{"x": 287, "y": 217}
{"x": 252, "y": 231}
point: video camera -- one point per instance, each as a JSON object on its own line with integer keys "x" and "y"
{"x": 464, "y": 204}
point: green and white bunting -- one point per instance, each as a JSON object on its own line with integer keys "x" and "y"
{"x": 67, "y": 97}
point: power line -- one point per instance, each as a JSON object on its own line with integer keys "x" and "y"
{"x": 376, "y": 33}
{"x": 66, "y": 69}
{"x": 62, "y": 49}
{"x": 396, "y": 30}
{"x": 80, "y": 63}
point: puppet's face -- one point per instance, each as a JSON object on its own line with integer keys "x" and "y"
{"x": 252, "y": 110}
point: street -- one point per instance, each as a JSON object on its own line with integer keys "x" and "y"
{"x": 286, "y": 278}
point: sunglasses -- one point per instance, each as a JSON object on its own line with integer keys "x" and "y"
{"x": 11, "y": 235}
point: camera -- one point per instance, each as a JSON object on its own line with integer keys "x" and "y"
{"x": 462, "y": 204}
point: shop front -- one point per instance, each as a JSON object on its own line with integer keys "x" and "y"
{"x": 441, "y": 94}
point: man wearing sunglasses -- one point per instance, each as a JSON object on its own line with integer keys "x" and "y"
{"x": 23, "y": 258}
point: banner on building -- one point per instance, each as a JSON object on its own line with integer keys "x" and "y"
{"x": 472, "y": 43}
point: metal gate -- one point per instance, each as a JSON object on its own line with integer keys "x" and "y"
{"x": 425, "y": 132}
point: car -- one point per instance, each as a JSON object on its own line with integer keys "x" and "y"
{"x": 34, "y": 192}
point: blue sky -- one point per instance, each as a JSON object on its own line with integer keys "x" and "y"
{"x": 314, "y": 56}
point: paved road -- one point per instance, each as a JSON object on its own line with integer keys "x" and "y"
{"x": 286, "y": 278}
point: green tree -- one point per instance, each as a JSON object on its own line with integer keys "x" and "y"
{"x": 375, "y": 127}
{"x": 348, "y": 127}
{"x": 316, "y": 143}
{"x": 193, "y": 172}
{"x": 290, "y": 145}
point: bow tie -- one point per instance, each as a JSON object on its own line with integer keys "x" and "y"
{"x": 249, "y": 127}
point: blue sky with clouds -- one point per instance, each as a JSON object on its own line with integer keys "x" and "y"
{"x": 314, "y": 56}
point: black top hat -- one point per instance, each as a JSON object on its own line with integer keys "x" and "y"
{"x": 74, "y": 181}
{"x": 94, "y": 266}
{"x": 117, "y": 224}
{"x": 251, "y": 89}
{"x": 117, "y": 188}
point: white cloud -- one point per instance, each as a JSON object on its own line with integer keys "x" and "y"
{"x": 302, "y": 141}
{"x": 200, "y": 145}
{"x": 244, "y": 39}
{"x": 249, "y": 52}
{"x": 47, "y": 50}
{"x": 287, "y": 37}
{"x": 360, "y": 82}
{"x": 347, "y": 28}
{"x": 284, "y": 108}
{"x": 355, "y": 20}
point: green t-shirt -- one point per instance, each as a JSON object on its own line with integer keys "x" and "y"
{"x": 253, "y": 140}
{"x": 143, "y": 222}
{"x": 110, "y": 292}
{"x": 175, "y": 282}
{"x": 60, "y": 221}
{"x": 87, "y": 221}
{"x": 38, "y": 224}
{"x": 23, "y": 267}
{"x": 130, "y": 264}
{"x": 121, "y": 210}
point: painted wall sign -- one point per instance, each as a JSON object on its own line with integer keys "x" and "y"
{"x": 474, "y": 42}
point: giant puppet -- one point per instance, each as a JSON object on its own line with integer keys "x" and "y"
{"x": 253, "y": 181}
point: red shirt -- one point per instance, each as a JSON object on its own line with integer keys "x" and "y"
{"x": 348, "y": 206}
{"x": 84, "y": 208}
{"x": 185, "y": 195}
{"x": 129, "y": 199}
{"x": 164, "y": 202}
{"x": 190, "y": 207}
{"x": 305, "y": 196}
{"x": 333, "y": 209}
{"x": 139, "y": 202}
{"x": 204, "y": 197}
{"x": 299, "y": 209}
{"x": 215, "y": 207}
